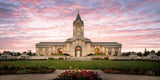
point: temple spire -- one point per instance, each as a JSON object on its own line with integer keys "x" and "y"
{"x": 78, "y": 16}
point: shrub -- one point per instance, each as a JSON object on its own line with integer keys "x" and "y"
{"x": 41, "y": 55}
{"x": 106, "y": 58}
{"x": 57, "y": 54}
{"x": 99, "y": 54}
{"x": 60, "y": 58}
{"x": 51, "y": 58}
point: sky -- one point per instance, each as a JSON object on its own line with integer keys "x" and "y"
{"x": 133, "y": 23}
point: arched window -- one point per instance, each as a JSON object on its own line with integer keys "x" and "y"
{"x": 40, "y": 51}
{"x": 97, "y": 50}
{"x": 59, "y": 51}
{"x": 47, "y": 51}
{"x": 78, "y": 31}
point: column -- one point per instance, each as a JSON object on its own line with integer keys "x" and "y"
{"x": 119, "y": 51}
{"x": 106, "y": 51}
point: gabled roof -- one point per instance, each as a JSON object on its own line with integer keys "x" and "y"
{"x": 78, "y": 38}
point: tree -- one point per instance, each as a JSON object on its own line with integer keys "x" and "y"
{"x": 34, "y": 54}
{"x": 146, "y": 53}
{"x": 158, "y": 53}
{"x": 18, "y": 53}
{"x": 139, "y": 54}
{"x": 29, "y": 53}
{"x": 24, "y": 52}
{"x": 153, "y": 51}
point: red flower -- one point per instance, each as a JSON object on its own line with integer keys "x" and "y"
{"x": 91, "y": 77}
{"x": 4, "y": 64}
{"x": 77, "y": 76}
{"x": 12, "y": 65}
{"x": 24, "y": 65}
{"x": 2, "y": 72}
{"x": 7, "y": 63}
{"x": 36, "y": 63}
{"x": 21, "y": 66}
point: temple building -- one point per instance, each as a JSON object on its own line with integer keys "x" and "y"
{"x": 78, "y": 45}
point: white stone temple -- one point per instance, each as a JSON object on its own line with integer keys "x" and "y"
{"x": 78, "y": 45}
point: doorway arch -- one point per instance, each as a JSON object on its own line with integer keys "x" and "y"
{"x": 97, "y": 50}
{"x": 78, "y": 51}
{"x": 59, "y": 51}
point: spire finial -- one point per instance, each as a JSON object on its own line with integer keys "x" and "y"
{"x": 78, "y": 10}
{"x": 78, "y": 16}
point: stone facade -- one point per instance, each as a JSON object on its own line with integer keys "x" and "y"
{"x": 78, "y": 45}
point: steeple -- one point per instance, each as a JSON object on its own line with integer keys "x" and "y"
{"x": 78, "y": 18}
{"x": 78, "y": 26}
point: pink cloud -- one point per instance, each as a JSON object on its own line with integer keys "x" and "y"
{"x": 108, "y": 21}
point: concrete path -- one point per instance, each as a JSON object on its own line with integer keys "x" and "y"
{"x": 51, "y": 76}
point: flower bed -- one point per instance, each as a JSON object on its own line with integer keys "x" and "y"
{"x": 152, "y": 72}
{"x": 11, "y": 69}
{"x": 78, "y": 75}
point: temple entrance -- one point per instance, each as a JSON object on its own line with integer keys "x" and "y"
{"x": 78, "y": 51}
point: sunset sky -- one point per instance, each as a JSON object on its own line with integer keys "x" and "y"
{"x": 133, "y": 23}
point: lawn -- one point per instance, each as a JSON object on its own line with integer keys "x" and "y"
{"x": 94, "y": 64}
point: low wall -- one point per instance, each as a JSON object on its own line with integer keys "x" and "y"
{"x": 119, "y": 57}
{"x": 37, "y": 57}
{"x": 68, "y": 57}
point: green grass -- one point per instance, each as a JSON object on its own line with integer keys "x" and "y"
{"x": 94, "y": 64}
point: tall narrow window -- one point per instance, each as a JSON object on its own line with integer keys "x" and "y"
{"x": 78, "y": 31}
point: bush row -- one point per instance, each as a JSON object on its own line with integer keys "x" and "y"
{"x": 152, "y": 72}
{"x": 11, "y": 69}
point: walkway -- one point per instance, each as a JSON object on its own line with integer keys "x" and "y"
{"x": 51, "y": 76}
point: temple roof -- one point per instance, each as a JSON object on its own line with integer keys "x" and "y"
{"x": 52, "y": 42}
{"x": 104, "y": 42}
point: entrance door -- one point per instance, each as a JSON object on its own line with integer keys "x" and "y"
{"x": 78, "y": 51}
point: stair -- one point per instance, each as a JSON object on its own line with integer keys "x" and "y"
{"x": 79, "y": 58}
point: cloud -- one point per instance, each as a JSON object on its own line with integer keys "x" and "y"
{"x": 134, "y": 23}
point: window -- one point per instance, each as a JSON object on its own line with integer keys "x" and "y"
{"x": 78, "y": 31}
